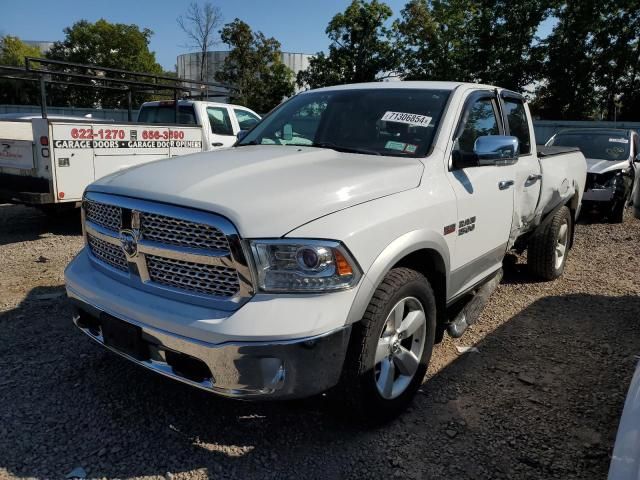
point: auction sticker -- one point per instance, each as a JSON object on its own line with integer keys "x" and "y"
{"x": 408, "y": 118}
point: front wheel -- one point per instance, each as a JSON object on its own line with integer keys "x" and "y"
{"x": 616, "y": 215}
{"x": 390, "y": 348}
{"x": 549, "y": 246}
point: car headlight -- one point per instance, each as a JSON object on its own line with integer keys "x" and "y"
{"x": 303, "y": 266}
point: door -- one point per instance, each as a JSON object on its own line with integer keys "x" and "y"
{"x": 485, "y": 197}
{"x": 528, "y": 176}
{"x": 222, "y": 133}
{"x": 72, "y": 160}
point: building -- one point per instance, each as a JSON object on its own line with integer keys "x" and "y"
{"x": 188, "y": 64}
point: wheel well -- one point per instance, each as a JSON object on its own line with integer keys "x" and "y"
{"x": 431, "y": 265}
{"x": 572, "y": 205}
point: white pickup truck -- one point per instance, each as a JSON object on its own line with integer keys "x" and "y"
{"x": 331, "y": 247}
{"x": 49, "y": 162}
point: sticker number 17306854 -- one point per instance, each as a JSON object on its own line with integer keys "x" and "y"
{"x": 408, "y": 118}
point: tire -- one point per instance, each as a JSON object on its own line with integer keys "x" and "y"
{"x": 617, "y": 212}
{"x": 362, "y": 387}
{"x": 549, "y": 246}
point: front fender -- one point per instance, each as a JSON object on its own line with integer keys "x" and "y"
{"x": 394, "y": 252}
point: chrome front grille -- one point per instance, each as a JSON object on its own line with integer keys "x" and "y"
{"x": 107, "y": 216}
{"x": 108, "y": 253}
{"x": 185, "y": 253}
{"x": 176, "y": 231}
{"x": 207, "y": 279}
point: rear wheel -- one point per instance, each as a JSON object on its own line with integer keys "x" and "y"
{"x": 390, "y": 348}
{"x": 549, "y": 246}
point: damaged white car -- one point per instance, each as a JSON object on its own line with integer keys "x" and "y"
{"x": 612, "y": 159}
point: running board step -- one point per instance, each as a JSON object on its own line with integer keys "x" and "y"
{"x": 471, "y": 311}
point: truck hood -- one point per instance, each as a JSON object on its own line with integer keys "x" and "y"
{"x": 597, "y": 165}
{"x": 266, "y": 191}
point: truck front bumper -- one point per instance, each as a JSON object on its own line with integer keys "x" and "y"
{"x": 274, "y": 346}
{"x": 288, "y": 369}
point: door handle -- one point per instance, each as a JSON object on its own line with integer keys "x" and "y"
{"x": 504, "y": 184}
{"x": 217, "y": 144}
{"x": 533, "y": 178}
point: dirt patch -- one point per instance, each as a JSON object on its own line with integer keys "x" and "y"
{"x": 540, "y": 399}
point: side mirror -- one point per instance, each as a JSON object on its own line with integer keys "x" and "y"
{"x": 637, "y": 159}
{"x": 488, "y": 150}
{"x": 241, "y": 134}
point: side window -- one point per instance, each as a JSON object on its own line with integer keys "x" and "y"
{"x": 518, "y": 125}
{"x": 219, "y": 120}
{"x": 481, "y": 120}
{"x": 246, "y": 119}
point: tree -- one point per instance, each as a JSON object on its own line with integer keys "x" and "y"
{"x": 493, "y": 41}
{"x": 592, "y": 62}
{"x": 617, "y": 58}
{"x": 200, "y": 24}
{"x": 13, "y": 50}
{"x": 105, "y": 44}
{"x": 360, "y": 48}
{"x": 12, "y": 53}
{"x": 254, "y": 68}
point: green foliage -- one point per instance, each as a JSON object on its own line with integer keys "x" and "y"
{"x": 465, "y": 40}
{"x": 254, "y": 68}
{"x": 114, "y": 45}
{"x": 360, "y": 49}
{"x": 12, "y": 52}
{"x": 593, "y": 62}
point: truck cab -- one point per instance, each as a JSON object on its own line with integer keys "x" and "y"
{"x": 224, "y": 121}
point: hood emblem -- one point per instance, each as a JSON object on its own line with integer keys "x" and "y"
{"x": 129, "y": 242}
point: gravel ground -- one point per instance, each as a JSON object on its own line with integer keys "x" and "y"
{"x": 540, "y": 399}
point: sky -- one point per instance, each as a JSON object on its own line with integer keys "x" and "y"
{"x": 299, "y": 25}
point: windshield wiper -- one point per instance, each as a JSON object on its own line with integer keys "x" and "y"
{"x": 252, "y": 142}
{"x": 342, "y": 148}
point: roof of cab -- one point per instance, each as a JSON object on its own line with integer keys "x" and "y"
{"x": 404, "y": 84}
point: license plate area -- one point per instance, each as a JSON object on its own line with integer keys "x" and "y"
{"x": 124, "y": 337}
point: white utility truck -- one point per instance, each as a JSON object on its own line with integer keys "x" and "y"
{"x": 331, "y": 247}
{"x": 49, "y": 162}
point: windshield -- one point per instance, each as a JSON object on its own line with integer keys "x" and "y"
{"x": 612, "y": 146}
{"x": 380, "y": 121}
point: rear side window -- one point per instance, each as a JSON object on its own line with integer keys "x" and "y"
{"x": 517, "y": 122}
{"x": 246, "y": 119}
{"x": 481, "y": 120}
{"x": 166, "y": 114}
{"x": 220, "y": 121}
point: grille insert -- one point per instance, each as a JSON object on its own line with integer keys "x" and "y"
{"x": 108, "y": 253}
{"x": 206, "y": 279}
{"x": 183, "y": 233}
{"x": 107, "y": 216}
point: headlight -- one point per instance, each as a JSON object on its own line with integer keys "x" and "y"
{"x": 303, "y": 266}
